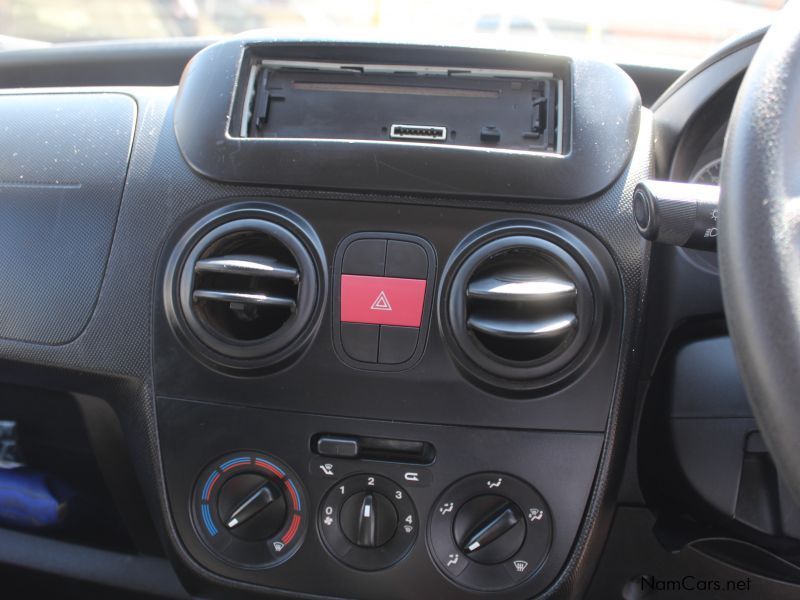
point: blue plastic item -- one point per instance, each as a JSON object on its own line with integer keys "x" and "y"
{"x": 32, "y": 500}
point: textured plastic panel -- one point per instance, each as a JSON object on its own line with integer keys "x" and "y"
{"x": 113, "y": 357}
{"x": 601, "y": 103}
{"x": 706, "y": 382}
{"x": 63, "y": 159}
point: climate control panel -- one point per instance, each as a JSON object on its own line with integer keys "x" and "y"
{"x": 359, "y": 508}
{"x": 488, "y": 531}
{"x": 250, "y": 509}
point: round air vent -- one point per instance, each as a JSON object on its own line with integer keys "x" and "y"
{"x": 519, "y": 305}
{"x": 247, "y": 285}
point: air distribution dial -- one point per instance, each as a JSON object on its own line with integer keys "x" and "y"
{"x": 249, "y": 509}
{"x": 490, "y": 531}
{"x": 368, "y": 522}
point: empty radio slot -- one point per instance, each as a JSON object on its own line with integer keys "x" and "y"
{"x": 500, "y": 109}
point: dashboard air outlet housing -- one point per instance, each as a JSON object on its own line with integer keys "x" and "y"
{"x": 518, "y": 307}
{"x": 248, "y": 287}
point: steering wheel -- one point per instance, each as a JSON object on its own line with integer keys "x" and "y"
{"x": 759, "y": 243}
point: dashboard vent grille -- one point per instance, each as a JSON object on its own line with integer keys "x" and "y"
{"x": 245, "y": 286}
{"x": 521, "y": 305}
{"x": 248, "y": 291}
{"x": 518, "y": 310}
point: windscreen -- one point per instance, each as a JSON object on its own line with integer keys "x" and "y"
{"x": 669, "y": 33}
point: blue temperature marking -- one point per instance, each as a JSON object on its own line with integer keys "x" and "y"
{"x": 291, "y": 483}
{"x": 234, "y": 461}
{"x": 207, "y": 520}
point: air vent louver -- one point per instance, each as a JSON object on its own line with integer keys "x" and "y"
{"x": 521, "y": 305}
{"x": 249, "y": 289}
{"x": 518, "y": 310}
{"x": 245, "y": 296}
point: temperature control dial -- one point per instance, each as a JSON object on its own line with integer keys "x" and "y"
{"x": 368, "y": 522}
{"x": 490, "y": 531}
{"x": 252, "y": 507}
{"x": 248, "y": 508}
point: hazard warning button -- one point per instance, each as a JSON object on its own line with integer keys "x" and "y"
{"x": 382, "y": 300}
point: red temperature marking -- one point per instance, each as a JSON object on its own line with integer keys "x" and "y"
{"x": 292, "y": 530}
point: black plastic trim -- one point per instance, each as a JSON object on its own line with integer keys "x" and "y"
{"x": 684, "y": 99}
{"x": 336, "y": 304}
{"x": 143, "y": 574}
{"x": 742, "y": 42}
{"x": 283, "y": 345}
{"x": 127, "y": 62}
{"x": 596, "y": 95}
{"x": 501, "y": 375}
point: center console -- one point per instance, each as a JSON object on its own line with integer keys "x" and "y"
{"x": 406, "y": 385}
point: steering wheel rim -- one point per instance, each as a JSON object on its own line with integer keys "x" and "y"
{"x": 759, "y": 243}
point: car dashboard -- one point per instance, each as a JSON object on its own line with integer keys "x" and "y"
{"x": 358, "y": 319}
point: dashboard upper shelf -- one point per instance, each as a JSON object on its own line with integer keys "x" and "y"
{"x": 572, "y": 135}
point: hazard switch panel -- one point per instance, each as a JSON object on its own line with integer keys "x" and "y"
{"x": 382, "y": 300}
{"x": 383, "y": 288}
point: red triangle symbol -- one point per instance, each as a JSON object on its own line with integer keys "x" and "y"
{"x": 381, "y": 302}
